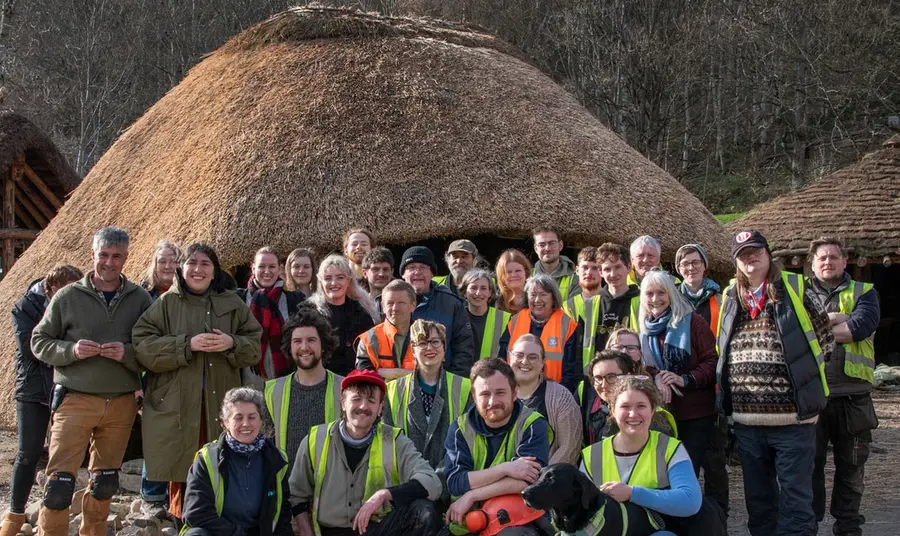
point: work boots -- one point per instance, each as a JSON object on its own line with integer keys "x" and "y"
{"x": 12, "y": 524}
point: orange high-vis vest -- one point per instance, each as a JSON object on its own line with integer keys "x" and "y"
{"x": 556, "y": 333}
{"x": 713, "y": 313}
{"x": 379, "y": 344}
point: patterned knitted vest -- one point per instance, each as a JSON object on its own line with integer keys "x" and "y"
{"x": 761, "y": 390}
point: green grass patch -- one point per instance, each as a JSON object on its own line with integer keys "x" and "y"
{"x": 728, "y": 218}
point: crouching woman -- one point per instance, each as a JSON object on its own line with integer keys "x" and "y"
{"x": 236, "y": 486}
{"x": 648, "y": 468}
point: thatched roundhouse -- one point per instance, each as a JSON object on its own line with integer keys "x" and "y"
{"x": 859, "y": 204}
{"x": 320, "y": 119}
{"x": 36, "y": 178}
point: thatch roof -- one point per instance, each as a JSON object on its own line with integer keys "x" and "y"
{"x": 20, "y": 136}
{"x": 320, "y": 119}
{"x": 859, "y": 204}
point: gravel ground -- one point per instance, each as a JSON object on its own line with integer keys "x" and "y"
{"x": 881, "y": 502}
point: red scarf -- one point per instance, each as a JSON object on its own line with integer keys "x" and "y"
{"x": 264, "y": 306}
{"x": 757, "y": 307}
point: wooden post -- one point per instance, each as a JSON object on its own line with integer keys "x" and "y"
{"x": 9, "y": 221}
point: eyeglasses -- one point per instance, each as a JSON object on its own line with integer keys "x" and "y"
{"x": 695, "y": 264}
{"x": 610, "y": 379}
{"x": 625, "y": 348}
{"x": 522, "y": 356}
{"x": 433, "y": 343}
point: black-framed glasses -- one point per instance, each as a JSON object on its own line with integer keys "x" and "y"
{"x": 610, "y": 379}
{"x": 433, "y": 343}
{"x": 696, "y": 264}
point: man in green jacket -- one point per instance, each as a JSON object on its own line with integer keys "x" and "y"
{"x": 86, "y": 336}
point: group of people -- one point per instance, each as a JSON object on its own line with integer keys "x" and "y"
{"x": 329, "y": 398}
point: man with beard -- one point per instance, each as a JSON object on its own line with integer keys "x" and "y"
{"x": 310, "y": 395}
{"x": 584, "y": 308}
{"x": 359, "y": 476}
{"x": 620, "y": 300}
{"x": 498, "y": 447}
{"x": 460, "y": 258}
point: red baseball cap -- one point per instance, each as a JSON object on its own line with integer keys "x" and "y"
{"x": 363, "y": 376}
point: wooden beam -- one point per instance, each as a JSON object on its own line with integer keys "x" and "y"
{"x": 37, "y": 200}
{"x": 39, "y": 184}
{"x": 26, "y": 218}
{"x": 18, "y": 167}
{"x": 33, "y": 210}
{"x": 9, "y": 221}
{"x": 18, "y": 234}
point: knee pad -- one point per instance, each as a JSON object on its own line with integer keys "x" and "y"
{"x": 59, "y": 490}
{"x": 104, "y": 483}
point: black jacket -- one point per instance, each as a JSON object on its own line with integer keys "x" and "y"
{"x": 199, "y": 507}
{"x": 34, "y": 379}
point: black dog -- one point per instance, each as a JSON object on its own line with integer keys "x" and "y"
{"x": 573, "y": 500}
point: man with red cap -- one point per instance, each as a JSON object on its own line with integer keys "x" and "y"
{"x": 357, "y": 475}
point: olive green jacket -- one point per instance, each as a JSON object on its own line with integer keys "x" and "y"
{"x": 78, "y": 312}
{"x": 181, "y": 382}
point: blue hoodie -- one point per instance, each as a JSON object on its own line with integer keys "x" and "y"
{"x": 458, "y": 462}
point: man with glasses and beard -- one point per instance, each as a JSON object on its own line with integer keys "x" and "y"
{"x": 310, "y": 395}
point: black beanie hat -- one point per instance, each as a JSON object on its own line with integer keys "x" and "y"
{"x": 418, "y": 254}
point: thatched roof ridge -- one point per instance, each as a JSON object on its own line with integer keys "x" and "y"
{"x": 315, "y": 21}
{"x": 19, "y": 135}
{"x": 859, "y": 204}
{"x": 292, "y": 142}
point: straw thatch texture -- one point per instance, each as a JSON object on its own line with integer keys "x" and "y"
{"x": 859, "y": 203}
{"x": 19, "y": 135}
{"x": 320, "y": 119}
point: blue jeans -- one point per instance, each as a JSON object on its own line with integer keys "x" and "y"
{"x": 151, "y": 491}
{"x": 773, "y": 456}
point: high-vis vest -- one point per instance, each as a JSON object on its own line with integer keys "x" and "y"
{"x": 278, "y": 400}
{"x": 795, "y": 285}
{"x": 577, "y": 310}
{"x": 859, "y": 357}
{"x": 381, "y": 473}
{"x": 651, "y": 470}
{"x": 557, "y": 330}
{"x": 399, "y": 392}
{"x": 494, "y": 325}
{"x": 379, "y": 345}
{"x": 210, "y": 454}
{"x": 478, "y": 444}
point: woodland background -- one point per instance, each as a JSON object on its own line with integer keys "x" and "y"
{"x": 739, "y": 99}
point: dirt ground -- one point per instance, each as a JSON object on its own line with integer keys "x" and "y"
{"x": 881, "y": 502}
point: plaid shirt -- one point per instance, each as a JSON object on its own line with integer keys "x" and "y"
{"x": 100, "y": 293}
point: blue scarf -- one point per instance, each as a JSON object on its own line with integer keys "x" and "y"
{"x": 675, "y": 355}
{"x": 244, "y": 448}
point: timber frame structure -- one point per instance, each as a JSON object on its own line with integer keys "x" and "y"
{"x": 36, "y": 179}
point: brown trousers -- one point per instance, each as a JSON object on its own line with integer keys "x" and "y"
{"x": 84, "y": 420}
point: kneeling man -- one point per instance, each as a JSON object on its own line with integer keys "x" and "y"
{"x": 356, "y": 475}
